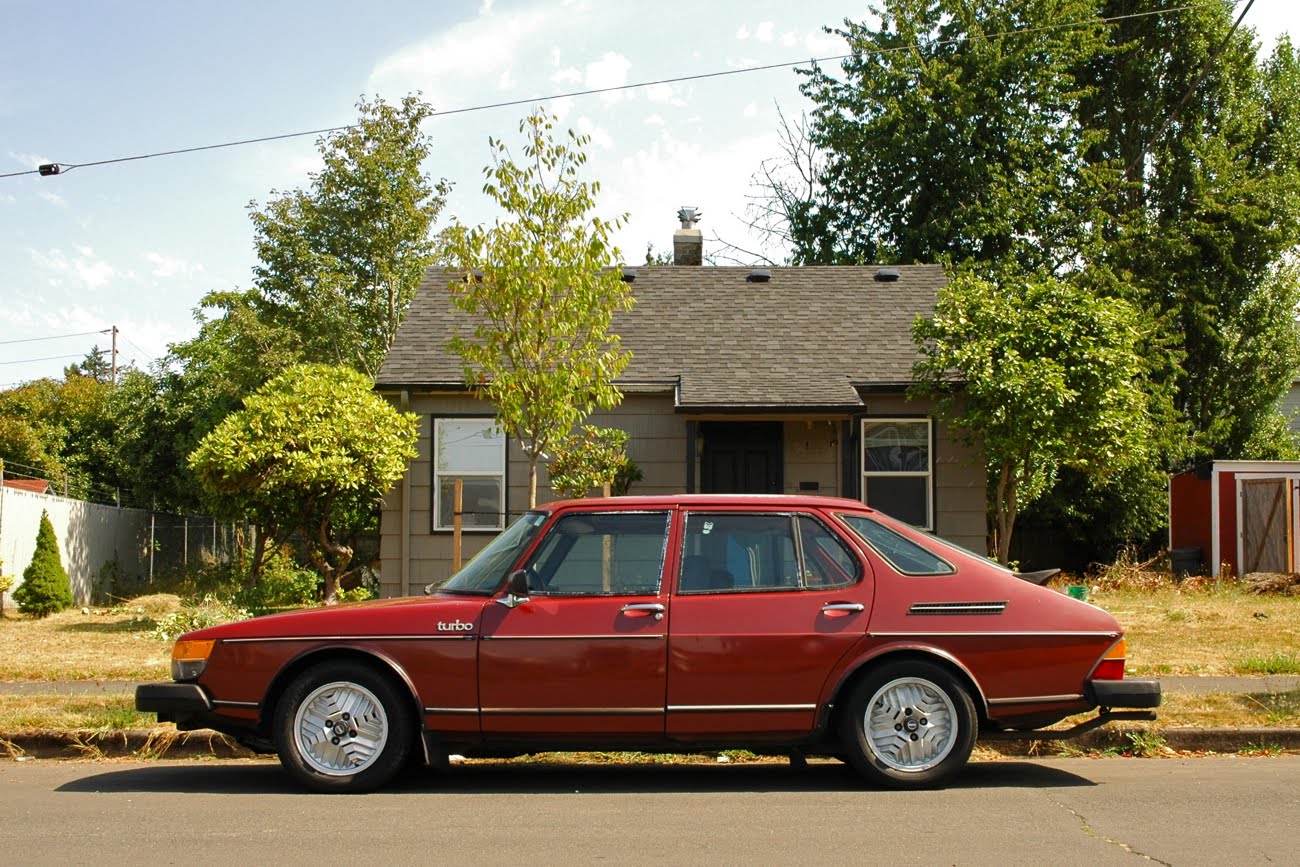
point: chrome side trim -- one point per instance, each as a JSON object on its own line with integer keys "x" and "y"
{"x": 574, "y": 711}
{"x": 1037, "y": 699}
{"x": 433, "y": 637}
{"x": 737, "y": 708}
{"x": 568, "y": 637}
{"x": 451, "y": 710}
{"x": 950, "y": 608}
{"x": 216, "y": 703}
{"x": 991, "y": 634}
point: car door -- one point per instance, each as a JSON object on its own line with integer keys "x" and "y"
{"x": 765, "y": 606}
{"x": 586, "y": 654}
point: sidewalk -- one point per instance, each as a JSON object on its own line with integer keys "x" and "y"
{"x": 165, "y": 743}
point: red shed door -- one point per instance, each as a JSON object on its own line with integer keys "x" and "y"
{"x": 586, "y": 654}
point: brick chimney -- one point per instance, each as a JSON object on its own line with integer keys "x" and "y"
{"x": 688, "y": 241}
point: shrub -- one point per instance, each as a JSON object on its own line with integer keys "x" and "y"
{"x": 209, "y": 611}
{"x": 591, "y": 458}
{"x": 45, "y": 588}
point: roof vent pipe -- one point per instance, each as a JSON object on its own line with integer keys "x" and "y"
{"x": 759, "y": 275}
{"x": 628, "y": 275}
{"x": 886, "y": 275}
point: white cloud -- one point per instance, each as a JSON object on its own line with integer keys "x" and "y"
{"x": 764, "y": 31}
{"x": 506, "y": 80}
{"x": 821, "y": 44}
{"x": 751, "y": 110}
{"x": 609, "y": 71}
{"x": 53, "y": 198}
{"x": 486, "y": 7}
{"x": 28, "y": 160}
{"x": 84, "y": 270}
{"x": 789, "y": 40}
{"x": 567, "y": 76}
{"x": 451, "y": 66}
{"x": 165, "y": 266}
{"x": 600, "y": 137}
{"x": 654, "y": 120}
{"x": 664, "y": 94}
{"x": 743, "y": 33}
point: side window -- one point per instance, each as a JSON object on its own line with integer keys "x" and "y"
{"x": 601, "y": 554}
{"x": 827, "y": 563}
{"x": 902, "y": 553}
{"x": 753, "y": 552}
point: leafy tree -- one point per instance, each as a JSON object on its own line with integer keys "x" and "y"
{"x": 311, "y": 453}
{"x": 340, "y": 261}
{"x": 1045, "y": 374}
{"x": 1208, "y": 212}
{"x": 45, "y": 588}
{"x": 952, "y": 132}
{"x": 591, "y": 459}
{"x": 542, "y": 293}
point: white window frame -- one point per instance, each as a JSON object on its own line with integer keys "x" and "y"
{"x": 927, "y": 473}
{"x": 498, "y": 472}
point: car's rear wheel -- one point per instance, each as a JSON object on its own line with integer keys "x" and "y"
{"x": 909, "y": 725}
{"x": 343, "y": 727}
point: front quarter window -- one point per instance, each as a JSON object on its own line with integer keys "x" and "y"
{"x": 483, "y": 574}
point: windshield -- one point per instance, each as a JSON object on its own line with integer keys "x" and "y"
{"x": 483, "y": 574}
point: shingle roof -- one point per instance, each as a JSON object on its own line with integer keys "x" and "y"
{"x": 803, "y": 339}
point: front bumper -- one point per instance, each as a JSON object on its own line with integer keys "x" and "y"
{"x": 1137, "y": 693}
{"x": 173, "y": 702}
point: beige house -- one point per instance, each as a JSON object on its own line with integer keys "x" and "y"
{"x": 741, "y": 381}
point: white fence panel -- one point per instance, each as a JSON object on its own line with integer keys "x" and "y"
{"x": 94, "y": 540}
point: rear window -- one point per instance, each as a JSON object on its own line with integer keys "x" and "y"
{"x": 902, "y": 553}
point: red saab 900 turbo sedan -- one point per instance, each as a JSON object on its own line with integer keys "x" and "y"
{"x": 679, "y": 623}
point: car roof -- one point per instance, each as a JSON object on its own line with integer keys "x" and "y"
{"x": 777, "y": 501}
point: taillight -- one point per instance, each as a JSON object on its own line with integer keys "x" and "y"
{"x": 1111, "y": 666}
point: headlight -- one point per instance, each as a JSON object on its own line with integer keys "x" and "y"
{"x": 189, "y": 658}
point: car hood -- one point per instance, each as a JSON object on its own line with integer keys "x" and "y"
{"x": 420, "y": 615}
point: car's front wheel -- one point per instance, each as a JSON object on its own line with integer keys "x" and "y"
{"x": 909, "y": 725}
{"x": 343, "y": 727}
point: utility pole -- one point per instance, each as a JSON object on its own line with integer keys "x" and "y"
{"x": 114, "y": 376}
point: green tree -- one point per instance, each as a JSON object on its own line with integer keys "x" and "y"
{"x": 1044, "y": 374}
{"x": 540, "y": 292}
{"x": 311, "y": 453}
{"x": 592, "y": 458}
{"x": 1208, "y": 213}
{"x": 951, "y": 132}
{"x": 339, "y": 262}
{"x": 45, "y": 588}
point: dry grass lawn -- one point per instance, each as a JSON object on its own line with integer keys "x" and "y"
{"x": 105, "y": 644}
{"x": 1199, "y": 630}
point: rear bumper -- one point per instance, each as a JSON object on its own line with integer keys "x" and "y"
{"x": 1137, "y": 693}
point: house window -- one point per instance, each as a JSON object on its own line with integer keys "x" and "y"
{"x": 898, "y": 468}
{"x": 474, "y": 451}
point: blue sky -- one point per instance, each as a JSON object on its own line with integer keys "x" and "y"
{"x": 137, "y": 244}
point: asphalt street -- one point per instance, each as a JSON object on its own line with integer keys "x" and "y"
{"x": 1214, "y": 810}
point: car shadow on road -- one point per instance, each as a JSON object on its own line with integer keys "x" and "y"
{"x": 265, "y": 778}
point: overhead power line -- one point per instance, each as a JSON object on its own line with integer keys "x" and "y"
{"x": 47, "y": 358}
{"x": 62, "y": 168}
{"x": 53, "y": 337}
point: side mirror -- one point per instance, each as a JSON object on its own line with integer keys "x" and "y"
{"x": 516, "y": 589}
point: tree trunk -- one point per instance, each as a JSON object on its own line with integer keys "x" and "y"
{"x": 532, "y": 484}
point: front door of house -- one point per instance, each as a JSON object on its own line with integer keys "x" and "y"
{"x": 741, "y": 457}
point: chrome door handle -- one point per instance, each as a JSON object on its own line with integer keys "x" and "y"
{"x": 648, "y": 607}
{"x": 844, "y": 606}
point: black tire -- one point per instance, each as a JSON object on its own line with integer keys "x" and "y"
{"x": 342, "y": 726}
{"x": 925, "y": 725}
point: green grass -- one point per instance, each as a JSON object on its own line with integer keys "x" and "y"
{"x": 1277, "y": 662}
{"x": 95, "y": 712}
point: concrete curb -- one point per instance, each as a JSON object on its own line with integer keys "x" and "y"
{"x": 170, "y": 744}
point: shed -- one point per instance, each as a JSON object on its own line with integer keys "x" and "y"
{"x": 1242, "y": 514}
